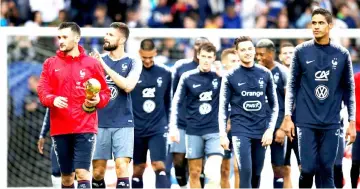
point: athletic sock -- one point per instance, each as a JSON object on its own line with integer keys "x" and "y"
{"x": 98, "y": 183}
{"x": 123, "y": 182}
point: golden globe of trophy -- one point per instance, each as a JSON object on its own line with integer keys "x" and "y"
{"x": 92, "y": 88}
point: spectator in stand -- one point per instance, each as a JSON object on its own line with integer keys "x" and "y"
{"x": 214, "y": 21}
{"x": 344, "y": 15}
{"x": 231, "y": 18}
{"x": 190, "y": 21}
{"x": 101, "y": 20}
{"x": 133, "y": 18}
{"x": 3, "y": 13}
{"x": 49, "y": 9}
{"x": 62, "y": 17}
{"x": 161, "y": 15}
{"x": 179, "y": 10}
{"x": 35, "y": 21}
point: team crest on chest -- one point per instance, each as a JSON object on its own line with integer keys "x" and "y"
{"x": 215, "y": 83}
{"x": 334, "y": 63}
{"x": 159, "y": 81}
{"x": 124, "y": 67}
{"x": 82, "y": 73}
{"x": 276, "y": 77}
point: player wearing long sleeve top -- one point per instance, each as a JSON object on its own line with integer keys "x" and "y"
{"x": 321, "y": 77}
{"x": 199, "y": 90}
{"x": 245, "y": 89}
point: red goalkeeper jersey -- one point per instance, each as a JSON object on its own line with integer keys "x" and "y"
{"x": 357, "y": 100}
{"x": 65, "y": 76}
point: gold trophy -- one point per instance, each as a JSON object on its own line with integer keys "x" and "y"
{"x": 92, "y": 88}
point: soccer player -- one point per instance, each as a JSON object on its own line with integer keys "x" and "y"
{"x": 151, "y": 106}
{"x": 199, "y": 89}
{"x": 354, "y": 173}
{"x": 61, "y": 89}
{"x": 116, "y": 122}
{"x": 179, "y": 149}
{"x": 245, "y": 88}
{"x": 286, "y": 53}
{"x": 265, "y": 54}
{"x": 321, "y": 77}
{"x": 55, "y": 170}
{"x": 229, "y": 60}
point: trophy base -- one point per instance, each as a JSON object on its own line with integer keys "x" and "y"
{"x": 88, "y": 109}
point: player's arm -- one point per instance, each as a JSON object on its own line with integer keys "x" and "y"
{"x": 105, "y": 91}
{"x": 175, "y": 77}
{"x": 45, "y": 90}
{"x": 272, "y": 101}
{"x": 349, "y": 98}
{"x": 167, "y": 98}
{"x": 224, "y": 99}
{"x": 179, "y": 96}
{"x": 291, "y": 91}
{"x": 44, "y": 130}
{"x": 46, "y": 124}
{"x": 126, "y": 83}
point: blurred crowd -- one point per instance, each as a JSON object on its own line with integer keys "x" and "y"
{"x": 176, "y": 13}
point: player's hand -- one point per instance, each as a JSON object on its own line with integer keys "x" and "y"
{"x": 174, "y": 135}
{"x": 224, "y": 141}
{"x": 288, "y": 127}
{"x": 40, "y": 145}
{"x": 228, "y": 126}
{"x": 95, "y": 54}
{"x": 93, "y": 102}
{"x": 351, "y": 133}
{"x": 60, "y": 102}
{"x": 280, "y": 136}
{"x": 267, "y": 137}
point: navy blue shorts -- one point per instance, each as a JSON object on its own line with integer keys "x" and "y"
{"x": 356, "y": 148}
{"x": 55, "y": 169}
{"x": 278, "y": 152}
{"x": 74, "y": 151}
{"x": 156, "y": 144}
{"x": 292, "y": 145}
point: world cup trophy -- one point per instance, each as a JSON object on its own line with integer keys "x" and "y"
{"x": 92, "y": 88}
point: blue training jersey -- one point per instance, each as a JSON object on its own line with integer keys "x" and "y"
{"x": 199, "y": 91}
{"x": 245, "y": 90}
{"x": 321, "y": 76}
{"x": 151, "y": 100}
{"x": 118, "y": 113}
{"x": 180, "y": 67}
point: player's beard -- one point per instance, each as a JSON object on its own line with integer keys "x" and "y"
{"x": 68, "y": 48}
{"x": 110, "y": 47}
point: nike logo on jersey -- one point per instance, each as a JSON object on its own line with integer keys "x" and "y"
{"x": 56, "y": 70}
{"x": 239, "y": 84}
{"x": 196, "y": 86}
{"x": 308, "y": 62}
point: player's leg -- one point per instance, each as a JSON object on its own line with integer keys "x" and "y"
{"x": 139, "y": 161}
{"x": 195, "y": 155}
{"x": 225, "y": 166}
{"x": 338, "y": 173}
{"x": 243, "y": 158}
{"x": 329, "y": 141}
{"x": 84, "y": 146}
{"x": 308, "y": 151}
{"x": 354, "y": 173}
{"x": 178, "y": 150}
{"x": 225, "y": 170}
{"x": 102, "y": 154}
{"x": 258, "y": 158}
{"x": 214, "y": 152}
{"x": 123, "y": 147}
{"x": 55, "y": 169}
{"x": 157, "y": 146}
{"x": 287, "y": 167}
{"x": 278, "y": 162}
{"x": 236, "y": 173}
{"x": 63, "y": 147}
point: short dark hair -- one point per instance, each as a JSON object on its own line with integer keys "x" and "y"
{"x": 267, "y": 44}
{"x": 241, "y": 39}
{"x": 208, "y": 47}
{"x": 147, "y": 45}
{"x": 227, "y": 52}
{"x": 122, "y": 27}
{"x": 72, "y": 25}
{"x": 286, "y": 44}
{"x": 327, "y": 14}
